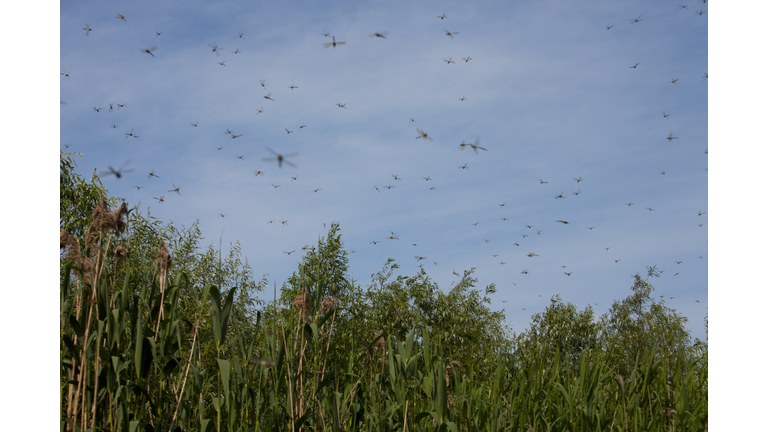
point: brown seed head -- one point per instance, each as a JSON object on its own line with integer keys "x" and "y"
{"x": 163, "y": 260}
{"x": 302, "y": 302}
{"x": 121, "y": 252}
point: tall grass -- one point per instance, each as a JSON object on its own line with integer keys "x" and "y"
{"x": 132, "y": 359}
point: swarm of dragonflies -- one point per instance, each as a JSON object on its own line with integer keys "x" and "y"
{"x": 280, "y": 158}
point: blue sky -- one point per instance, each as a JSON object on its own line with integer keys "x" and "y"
{"x": 549, "y": 91}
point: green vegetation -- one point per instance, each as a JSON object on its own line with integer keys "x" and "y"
{"x": 158, "y": 334}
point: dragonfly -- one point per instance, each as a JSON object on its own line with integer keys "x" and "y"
{"x": 117, "y": 172}
{"x": 701, "y": 213}
{"x": 463, "y": 99}
{"x": 120, "y": 106}
{"x": 636, "y": 20}
{"x": 275, "y": 186}
{"x": 475, "y": 224}
{"x": 131, "y": 134}
{"x": 505, "y": 219}
{"x": 635, "y": 66}
{"x": 121, "y": 17}
{"x": 340, "y": 105}
{"x": 474, "y": 146}
{"x": 294, "y": 178}
{"x": 333, "y": 44}
{"x": 465, "y": 166}
{"x": 577, "y": 192}
{"x": 222, "y": 63}
{"x": 419, "y": 258}
{"x": 466, "y": 59}
{"x": 568, "y": 273}
{"x": 149, "y": 51}
{"x": 194, "y": 124}
{"x": 670, "y": 137}
{"x": 87, "y": 29}
{"x": 240, "y": 35}
{"x": 374, "y": 242}
{"x": 268, "y": 96}
{"x": 531, "y": 254}
{"x": 258, "y": 173}
{"x": 665, "y": 114}
{"x": 161, "y": 199}
{"x": 382, "y": 35}
{"x": 413, "y": 119}
{"x": 674, "y": 80}
{"x": 280, "y": 158}
{"x": 524, "y": 271}
{"x": 630, "y": 204}
{"x": 157, "y": 33}
{"x": 236, "y": 51}
{"x": 97, "y": 109}
{"x": 560, "y": 196}
{"x": 326, "y": 33}
{"x": 215, "y": 48}
{"x": 616, "y": 261}
{"x": 542, "y": 181}
{"x": 152, "y": 174}
{"x": 449, "y": 61}
{"x": 443, "y": 16}
{"x": 423, "y": 134}
{"x": 292, "y": 87}
{"x": 110, "y": 107}
{"x": 608, "y": 27}
{"x": 447, "y": 33}
{"x": 263, "y": 85}
{"x": 288, "y": 253}
{"x": 175, "y": 190}
{"x": 393, "y": 236}
{"x": 302, "y": 126}
{"x": 427, "y": 178}
{"x": 650, "y": 209}
{"x": 222, "y": 215}
{"x": 316, "y": 190}
{"x": 705, "y": 75}
{"x": 562, "y": 222}
{"x": 260, "y": 110}
{"x": 289, "y": 131}
{"x": 241, "y": 157}
{"x": 65, "y": 74}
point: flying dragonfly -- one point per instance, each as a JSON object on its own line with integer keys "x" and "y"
{"x": 396, "y": 177}
{"x": 560, "y": 196}
{"x": 451, "y": 33}
{"x": 161, "y": 199}
{"x": 262, "y": 84}
{"x": 240, "y": 35}
{"x": 701, "y": 213}
{"x": 635, "y": 66}
{"x": 157, "y": 33}
{"x": 276, "y": 186}
{"x": 87, "y": 29}
{"x": 674, "y": 80}
{"x": 258, "y": 173}
{"x": 241, "y": 157}
{"x": 316, "y": 190}
{"x": 466, "y": 59}
{"x": 289, "y": 252}
{"x": 222, "y": 63}
{"x": 577, "y": 192}
{"x": 260, "y": 110}
{"x": 608, "y": 27}
{"x": 149, "y": 51}
{"x": 194, "y": 124}
{"x": 542, "y": 181}
{"x": 562, "y": 222}
{"x": 236, "y": 51}
{"x": 110, "y": 107}
{"x": 630, "y": 204}
{"x": 280, "y": 158}
{"x": 650, "y": 209}
{"x": 463, "y": 99}
{"x": 449, "y": 61}
{"x": 393, "y": 236}
{"x": 568, "y": 273}
{"x": 121, "y": 17}
{"x": 292, "y": 87}
{"x": 289, "y": 131}
{"x": 531, "y": 254}
{"x": 333, "y": 44}
{"x": 114, "y": 126}
{"x": 443, "y": 16}
{"x": 505, "y": 219}
{"x": 705, "y": 75}
{"x": 374, "y": 242}
{"x": 64, "y": 74}
{"x": 670, "y": 137}
{"x": 465, "y": 166}
{"x": 419, "y": 258}
{"x": 382, "y": 35}
{"x": 120, "y": 106}
{"x": 341, "y": 105}
{"x": 116, "y": 172}
{"x": 152, "y": 174}
{"x": 524, "y": 271}
{"x": 579, "y": 180}
{"x": 683, "y": 6}
{"x": 175, "y": 190}
{"x": 423, "y": 134}
{"x": 427, "y": 178}
{"x": 236, "y": 136}
{"x": 326, "y": 34}
{"x": 97, "y": 109}
{"x": 665, "y": 114}
{"x": 130, "y": 134}
{"x": 215, "y": 48}
{"x": 413, "y": 119}
{"x": 636, "y": 20}
{"x": 269, "y": 96}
